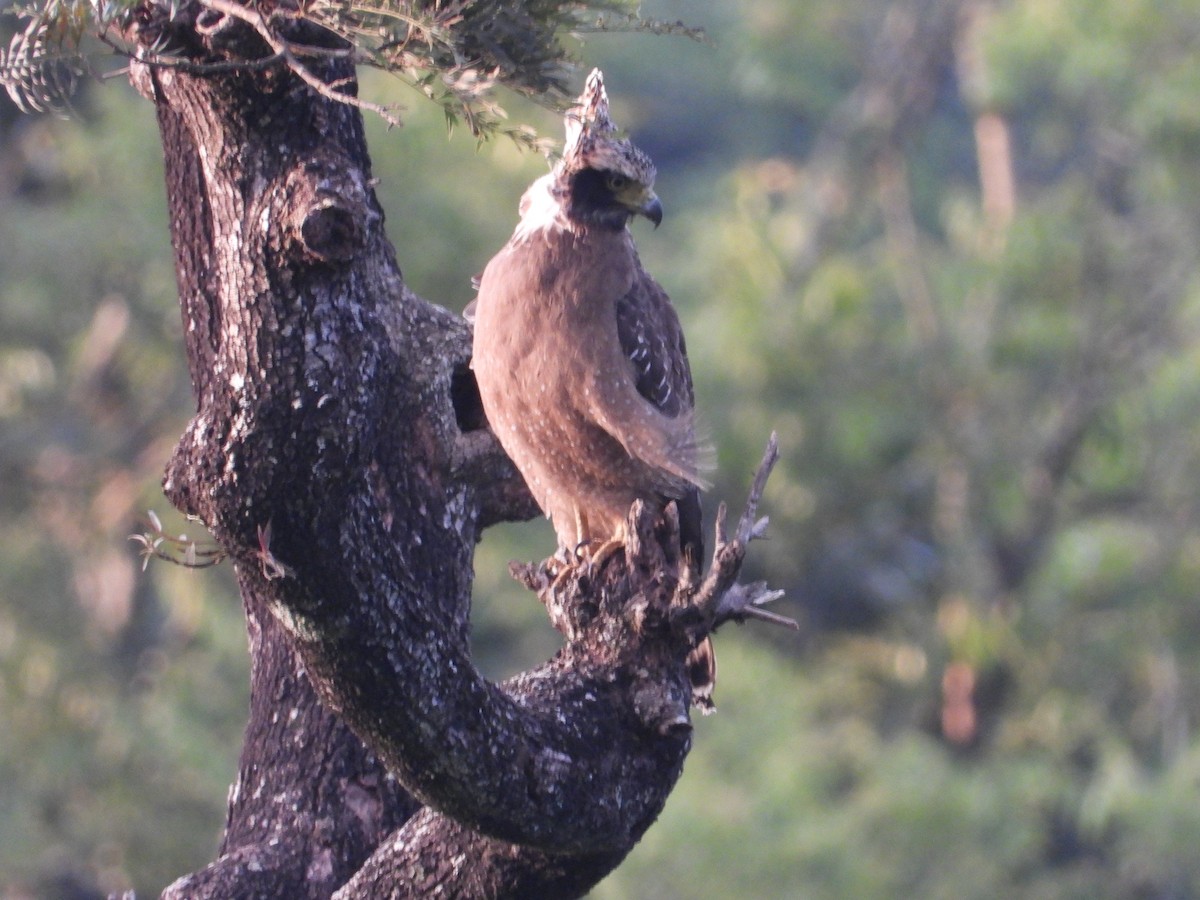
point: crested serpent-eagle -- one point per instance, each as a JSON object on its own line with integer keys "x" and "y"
{"x": 580, "y": 358}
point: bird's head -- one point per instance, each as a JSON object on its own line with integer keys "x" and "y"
{"x": 603, "y": 178}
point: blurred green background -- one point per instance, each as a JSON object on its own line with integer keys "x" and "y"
{"x": 947, "y": 249}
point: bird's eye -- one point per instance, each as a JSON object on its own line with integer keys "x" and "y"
{"x": 616, "y": 182}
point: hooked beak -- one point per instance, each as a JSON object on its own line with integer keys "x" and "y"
{"x": 652, "y": 210}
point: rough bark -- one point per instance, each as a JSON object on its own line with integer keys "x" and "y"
{"x": 310, "y": 802}
{"x": 338, "y": 456}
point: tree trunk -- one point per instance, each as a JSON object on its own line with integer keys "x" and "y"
{"x": 337, "y": 454}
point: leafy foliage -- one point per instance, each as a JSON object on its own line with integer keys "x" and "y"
{"x": 456, "y": 53}
{"x": 37, "y": 78}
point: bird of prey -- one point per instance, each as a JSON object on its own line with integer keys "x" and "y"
{"x": 579, "y": 356}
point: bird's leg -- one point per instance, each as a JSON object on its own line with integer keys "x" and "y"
{"x": 589, "y": 561}
{"x": 604, "y": 551}
{"x": 600, "y": 555}
{"x": 566, "y": 561}
{"x": 581, "y": 533}
{"x": 570, "y": 558}
{"x": 567, "y": 558}
{"x": 579, "y": 554}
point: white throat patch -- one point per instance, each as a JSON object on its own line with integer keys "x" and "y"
{"x": 540, "y": 210}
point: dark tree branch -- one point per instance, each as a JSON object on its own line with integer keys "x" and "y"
{"x": 720, "y": 598}
{"x": 339, "y": 457}
{"x": 326, "y": 414}
{"x": 426, "y": 856}
{"x": 310, "y": 803}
